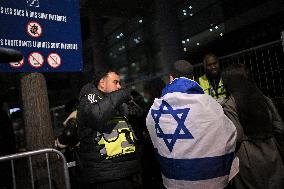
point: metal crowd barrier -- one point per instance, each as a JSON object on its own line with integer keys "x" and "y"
{"x": 29, "y": 155}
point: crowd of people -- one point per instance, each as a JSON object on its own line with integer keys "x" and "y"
{"x": 216, "y": 131}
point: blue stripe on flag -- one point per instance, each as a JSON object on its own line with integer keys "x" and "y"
{"x": 196, "y": 169}
{"x": 183, "y": 85}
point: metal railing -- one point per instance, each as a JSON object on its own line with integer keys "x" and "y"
{"x": 265, "y": 63}
{"x": 29, "y": 156}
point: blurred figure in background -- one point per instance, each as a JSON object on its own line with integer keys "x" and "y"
{"x": 151, "y": 175}
{"x": 152, "y": 89}
{"x": 19, "y": 130}
{"x": 137, "y": 118}
{"x": 7, "y": 146}
{"x": 211, "y": 81}
{"x": 260, "y": 132}
{"x": 68, "y": 142}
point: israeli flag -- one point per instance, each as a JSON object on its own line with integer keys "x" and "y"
{"x": 195, "y": 141}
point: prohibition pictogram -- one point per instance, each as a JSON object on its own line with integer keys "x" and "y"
{"x": 35, "y": 59}
{"x": 33, "y": 3}
{"x": 34, "y": 29}
{"x": 54, "y": 60}
{"x": 17, "y": 64}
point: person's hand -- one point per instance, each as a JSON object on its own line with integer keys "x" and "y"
{"x": 134, "y": 109}
{"x": 127, "y": 94}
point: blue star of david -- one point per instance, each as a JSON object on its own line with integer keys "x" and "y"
{"x": 170, "y": 139}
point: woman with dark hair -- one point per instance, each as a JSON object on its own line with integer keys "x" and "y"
{"x": 260, "y": 131}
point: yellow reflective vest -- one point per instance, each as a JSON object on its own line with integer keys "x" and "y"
{"x": 119, "y": 142}
{"x": 219, "y": 95}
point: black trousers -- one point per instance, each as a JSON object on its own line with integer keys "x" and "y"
{"x": 133, "y": 182}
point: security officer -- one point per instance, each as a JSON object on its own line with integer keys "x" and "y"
{"x": 108, "y": 156}
{"x": 211, "y": 81}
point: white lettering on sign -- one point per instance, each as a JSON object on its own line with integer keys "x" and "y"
{"x": 32, "y": 14}
{"x": 38, "y": 44}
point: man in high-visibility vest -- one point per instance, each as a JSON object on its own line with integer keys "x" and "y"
{"x": 211, "y": 81}
{"x": 107, "y": 151}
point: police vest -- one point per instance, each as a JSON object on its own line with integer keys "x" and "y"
{"x": 208, "y": 88}
{"x": 119, "y": 142}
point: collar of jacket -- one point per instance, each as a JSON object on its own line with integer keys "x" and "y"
{"x": 183, "y": 85}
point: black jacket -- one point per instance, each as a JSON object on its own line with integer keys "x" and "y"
{"x": 95, "y": 110}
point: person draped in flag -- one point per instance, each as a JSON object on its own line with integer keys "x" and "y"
{"x": 194, "y": 140}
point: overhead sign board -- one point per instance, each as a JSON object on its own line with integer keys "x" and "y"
{"x": 46, "y": 32}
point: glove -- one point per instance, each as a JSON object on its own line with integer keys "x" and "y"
{"x": 134, "y": 109}
{"x": 69, "y": 135}
{"x": 126, "y": 94}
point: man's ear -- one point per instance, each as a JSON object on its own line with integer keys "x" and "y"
{"x": 101, "y": 84}
{"x": 171, "y": 78}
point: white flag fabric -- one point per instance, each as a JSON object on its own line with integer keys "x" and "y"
{"x": 195, "y": 141}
